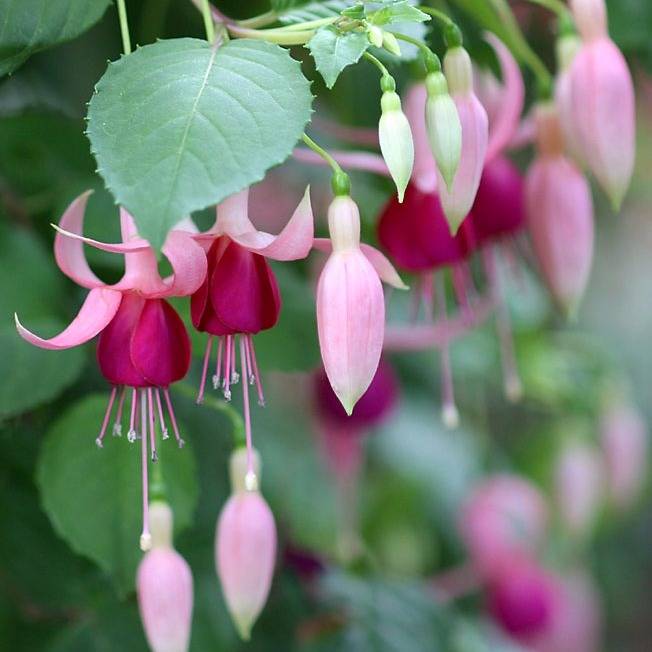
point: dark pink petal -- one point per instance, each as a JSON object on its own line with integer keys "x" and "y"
{"x": 160, "y": 346}
{"x": 243, "y": 292}
{"x": 97, "y": 311}
{"x": 69, "y": 252}
{"x": 113, "y": 347}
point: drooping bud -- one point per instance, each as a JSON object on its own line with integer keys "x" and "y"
{"x": 625, "y": 445}
{"x": 598, "y": 105}
{"x": 444, "y": 127}
{"x": 245, "y": 551}
{"x": 375, "y": 35}
{"x": 457, "y": 201}
{"x": 560, "y": 215}
{"x": 504, "y": 518}
{"x": 578, "y": 487}
{"x": 165, "y": 588}
{"x": 568, "y": 45}
{"x": 390, "y": 43}
{"x": 350, "y": 308}
{"x": 396, "y": 141}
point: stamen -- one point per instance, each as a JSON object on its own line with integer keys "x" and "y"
{"x": 247, "y": 339}
{"x": 227, "y": 369}
{"x": 259, "y": 384}
{"x": 459, "y": 286}
{"x": 107, "y": 416}
{"x": 235, "y": 376}
{"x": 427, "y": 292}
{"x": 450, "y": 414}
{"x": 175, "y": 427}
{"x": 511, "y": 379}
{"x": 152, "y": 432}
{"x": 207, "y": 356}
{"x": 131, "y": 435}
{"x": 161, "y": 420}
{"x": 145, "y": 537}
{"x": 117, "y": 424}
{"x": 250, "y": 478}
{"x": 218, "y": 366}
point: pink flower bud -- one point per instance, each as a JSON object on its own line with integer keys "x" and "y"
{"x": 597, "y": 103}
{"x": 560, "y": 215}
{"x": 578, "y": 487}
{"x": 458, "y": 201}
{"x": 164, "y": 586}
{"x": 350, "y": 308}
{"x": 424, "y": 171}
{"x": 505, "y": 517}
{"x": 522, "y": 599}
{"x": 624, "y": 443}
{"x": 245, "y": 551}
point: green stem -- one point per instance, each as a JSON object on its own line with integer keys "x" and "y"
{"x": 431, "y": 59}
{"x": 556, "y": 6}
{"x": 259, "y": 21}
{"x": 311, "y": 24}
{"x": 443, "y": 18}
{"x": 377, "y": 62}
{"x": 209, "y": 25}
{"x": 124, "y": 27}
{"x": 277, "y": 36}
{"x": 335, "y": 166}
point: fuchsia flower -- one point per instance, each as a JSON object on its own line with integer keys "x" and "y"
{"x": 597, "y": 103}
{"x": 143, "y": 345}
{"x": 560, "y": 215}
{"x": 625, "y": 445}
{"x": 458, "y": 201}
{"x": 245, "y": 546}
{"x": 350, "y": 304}
{"x": 164, "y": 587}
{"x": 505, "y": 518}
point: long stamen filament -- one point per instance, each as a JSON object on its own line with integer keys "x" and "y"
{"x": 145, "y": 537}
{"x": 450, "y": 414}
{"x": 251, "y": 482}
{"x": 152, "y": 432}
{"x": 207, "y": 355}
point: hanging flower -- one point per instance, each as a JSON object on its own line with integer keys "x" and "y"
{"x": 143, "y": 345}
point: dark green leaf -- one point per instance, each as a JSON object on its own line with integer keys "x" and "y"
{"x": 93, "y": 496}
{"x": 27, "y": 26}
{"x": 333, "y": 51}
{"x": 179, "y": 125}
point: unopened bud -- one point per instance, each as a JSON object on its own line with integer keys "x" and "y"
{"x": 459, "y": 72}
{"x": 391, "y": 44}
{"x": 443, "y": 126}
{"x": 396, "y": 142}
{"x": 375, "y": 35}
{"x": 239, "y": 471}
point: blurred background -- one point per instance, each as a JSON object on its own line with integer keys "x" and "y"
{"x": 373, "y": 552}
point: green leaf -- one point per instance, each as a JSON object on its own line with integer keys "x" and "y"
{"x": 398, "y": 12}
{"x": 27, "y": 26}
{"x": 34, "y": 376}
{"x": 93, "y": 496}
{"x": 314, "y": 11}
{"x": 292, "y": 344}
{"x": 179, "y": 125}
{"x": 333, "y": 51}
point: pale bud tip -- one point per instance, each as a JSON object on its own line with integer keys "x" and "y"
{"x": 450, "y": 416}
{"x": 251, "y": 481}
{"x": 145, "y": 541}
{"x": 244, "y": 628}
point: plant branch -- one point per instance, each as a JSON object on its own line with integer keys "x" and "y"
{"x": 365, "y": 161}
{"x": 209, "y": 25}
{"x": 124, "y": 27}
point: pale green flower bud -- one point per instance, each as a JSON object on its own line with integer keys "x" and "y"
{"x": 396, "y": 141}
{"x": 443, "y": 127}
{"x": 391, "y": 44}
{"x": 459, "y": 72}
{"x": 375, "y": 35}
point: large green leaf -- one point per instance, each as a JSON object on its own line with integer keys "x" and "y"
{"x": 93, "y": 496}
{"x": 32, "y": 375}
{"x": 334, "y": 50}
{"x": 27, "y": 26}
{"x": 179, "y": 125}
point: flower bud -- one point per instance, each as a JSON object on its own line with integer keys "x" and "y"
{"x": 457, "y": 201}
{"x": 444, "y": 128}
{"x": 164, "y": 587}
{"x": 375, "y": 35}
{"x": 578, "y": 487}
{"x": 391, "y": 44}
{"x": 245, "y": 551}
{"x": 396, "y": 141}
{"x": 624, "y": 444}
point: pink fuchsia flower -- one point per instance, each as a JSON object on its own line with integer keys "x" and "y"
{"x": 458, "y": 201}
{"x": 624, "y": 445}
{"x": 522, "y": 599}
{"x": 560, "y": 215}
{"x": 578, "y": 487}
{"x": 350, "y": 304}
{"x": 505, "y": 518}
{"x": 598, "y": 112}
{"x": 143, "y": 345}
{"x": 245, "y": 551}
{"x": 165, "y": 588}
{"x": 240, "y": 296}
